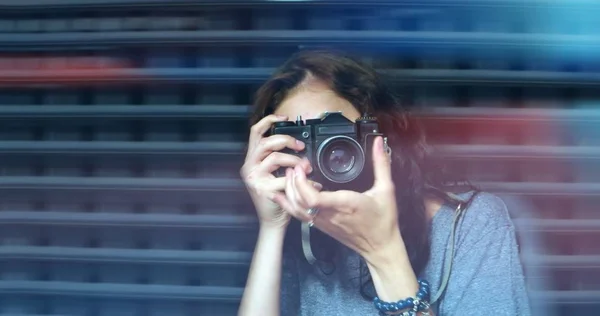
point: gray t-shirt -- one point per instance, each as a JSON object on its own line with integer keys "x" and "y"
{"x": 486, "y": 278}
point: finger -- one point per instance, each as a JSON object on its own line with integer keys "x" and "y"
{"x": 261, "y": 127}
{"x": 283, "y": 202}
{"x": 305, "y": 164}
{"x": 316, "y": 185}
{"x": 290, "y": 194}
{"x": 302, "y": 199}
{"x": 276, "y": 160}
{"x": 274, "y": 143}
{"x": 381, "y": 164}
{"x": 298, "y": 200}
{"x": 273, "y": 185}
{"x": 310, "y": 197}
{"x": 290, "y": 204}
{"x": 287, "y": 206}
{"x": 266, "y": 188}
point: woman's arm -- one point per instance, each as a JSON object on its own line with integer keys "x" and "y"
{"x": 392, "y": 273}
{"x": 262, "y": 292}
{"x": 487, "y": 275}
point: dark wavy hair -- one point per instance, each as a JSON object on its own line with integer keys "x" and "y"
{"x": 415, "y": 174}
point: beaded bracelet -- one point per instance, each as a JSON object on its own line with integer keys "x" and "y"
{"x": 420, "y": 303}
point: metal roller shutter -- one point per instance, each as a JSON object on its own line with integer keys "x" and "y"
{"x": 123, "y": 123}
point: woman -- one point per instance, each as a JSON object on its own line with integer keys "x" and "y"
{"x": 390, "y": 242}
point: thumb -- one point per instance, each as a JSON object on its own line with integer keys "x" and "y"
{"x": 382, "y": 167}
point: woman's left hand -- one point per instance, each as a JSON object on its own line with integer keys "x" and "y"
{"x": 365, "y": 222}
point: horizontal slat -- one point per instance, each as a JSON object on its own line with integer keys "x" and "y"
{"x": 123, "y": 291}
{"x": 139, "y": 76}
{"x": 224, "y": 221}
{"x": 118, "y": 148}
{"x": 238, "y": 258}
{"x": 13, "y": 314}
{"x": 567, "y": 297}
{"x": 254, "y": 75}
{"x": 221, "y": 185}
{"x": 541, "y": 188}
{"x": 242, "y": 111}
{"x": 494, "y": 152}
{"x": 381, "y": 39}
{"x": 125, "y": 220}
{"x": 201, "y": 293}
{"x": 120, "y": 184}
{"x": 76, "y": 5}
{"x": 124, "y": 111}
{"x": 564, "y": 262}
{"x": 559, "y": 225}
{"x": 72, "y": 254}
{"x": 504, "y": 114}
{"x": 498, "y": 152}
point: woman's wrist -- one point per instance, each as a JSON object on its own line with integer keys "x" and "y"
{"x": 272, "y": 231}
{"x": 392, "y": 273}
{"x": 394, "y": 282}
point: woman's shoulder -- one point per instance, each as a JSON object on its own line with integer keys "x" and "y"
{"x": 485, "y": 210}
{"x": 485, "y": 213}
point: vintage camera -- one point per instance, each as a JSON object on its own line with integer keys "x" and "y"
{"x": 339, "y": 150}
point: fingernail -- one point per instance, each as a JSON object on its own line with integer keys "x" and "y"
{"x": 317, "y": 185}
{"x": 279, "y": 116}
{"x": 300, "y": 143}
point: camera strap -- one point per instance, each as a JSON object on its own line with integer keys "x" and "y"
{"x": 450, "y": 255}
{"x": 308, "y": 254}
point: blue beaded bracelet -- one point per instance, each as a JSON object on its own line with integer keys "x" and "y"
{"x": 417, "y": 304}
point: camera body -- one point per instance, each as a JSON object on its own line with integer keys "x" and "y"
{"x": 339, "y": 150}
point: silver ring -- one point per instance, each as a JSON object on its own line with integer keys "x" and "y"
{"x": 313, "y": 211}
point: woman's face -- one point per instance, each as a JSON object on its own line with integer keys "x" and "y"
{"x": 311, "y": 99}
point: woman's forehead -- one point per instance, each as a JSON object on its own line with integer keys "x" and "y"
{"x": 310, "y": 104}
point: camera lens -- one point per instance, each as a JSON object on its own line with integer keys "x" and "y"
{"x": 340, "y": 159}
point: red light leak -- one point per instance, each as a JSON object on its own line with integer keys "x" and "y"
{"x": 16, "y": 71}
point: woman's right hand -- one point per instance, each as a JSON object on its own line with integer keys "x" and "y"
{"x": 262, "y": 159}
